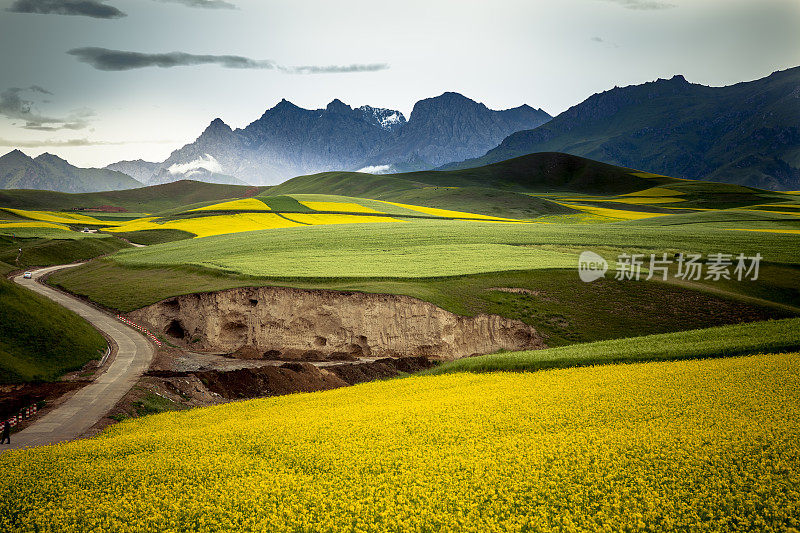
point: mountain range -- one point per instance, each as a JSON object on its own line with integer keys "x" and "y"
{"x": 50, "y": 172}
{"x": 747, "y": 134}
{"x": 288, "y": 141}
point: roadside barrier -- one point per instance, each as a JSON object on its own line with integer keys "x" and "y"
{"x": 136, "y": 326}
{"x": 25, "y": 412}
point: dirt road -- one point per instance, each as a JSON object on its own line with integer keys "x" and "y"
{"x": 80, "y": 412}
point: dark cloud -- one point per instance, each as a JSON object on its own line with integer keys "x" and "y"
{"x": 115, "y": 60}
{"x": 85, "y": 8}
{"x": 105, "y": 59}
{"x": 643, "y": 5}
{"x": 205, "y": 4}
{"x": 16, "y": 104}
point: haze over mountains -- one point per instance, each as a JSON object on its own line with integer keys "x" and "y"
{"x": 288, "y": 141}
{"x": 748, "y": 133}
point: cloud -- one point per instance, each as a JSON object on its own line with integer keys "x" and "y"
{"x": 376, "y": 169}
{"x": 334, "y": 69}
{"x": 112, "y": 60}
{"x": 116, "y": 60}
{"x": 603, "y": 41}
{"x": 205, "y": 4}
{"x": 206, "y": 162}
{"x": 643, "y": 5}
{"x": 17, "y": 105}
{"x": 85, "y": 8}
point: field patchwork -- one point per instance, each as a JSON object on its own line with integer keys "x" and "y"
{"x": 245, "y": 204}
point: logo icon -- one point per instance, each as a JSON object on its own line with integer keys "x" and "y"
{"x": 591, "y": 266}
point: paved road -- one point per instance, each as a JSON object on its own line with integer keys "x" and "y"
{"x": 87, "y": 406}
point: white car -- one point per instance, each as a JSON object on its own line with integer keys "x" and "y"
{"x": 27, "y": 275}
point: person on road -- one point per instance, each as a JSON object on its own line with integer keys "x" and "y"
{"x": 6, "y": 433}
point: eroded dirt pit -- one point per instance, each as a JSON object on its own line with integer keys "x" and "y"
{"x": 279, "y": 323}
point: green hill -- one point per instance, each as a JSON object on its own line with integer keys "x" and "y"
{"x": 745, "y": 133}
{"x": 151, "y": 199}
{"x": 39, "y": 339}
{"x": 500, "y": 189}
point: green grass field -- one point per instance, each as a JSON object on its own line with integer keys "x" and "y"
{"x": 152, "y": 199}
{"x": 775, "y": 336}
{"x": 45, "y": 247}
{"x": 39, "y": 339}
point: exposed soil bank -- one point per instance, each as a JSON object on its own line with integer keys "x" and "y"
{"x": 287, "y": 323}
{"x": 213, "y": 386}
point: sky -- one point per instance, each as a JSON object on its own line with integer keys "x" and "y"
{"x": 98, "y": 81}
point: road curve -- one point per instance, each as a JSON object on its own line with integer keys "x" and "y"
{"x": 91, "y": 403}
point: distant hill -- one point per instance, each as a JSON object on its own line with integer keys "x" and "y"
{"x": 288, "y": 141}
{"x": 49, "y": 172}
{"x": 748, "y": 133}
{"x": 500, "y": 189}
{"x": 138, "y": 169}
{"x": 151, "y": 199}
{"x": 534, "y": 173}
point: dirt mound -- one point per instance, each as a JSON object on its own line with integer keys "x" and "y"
{"x": 269, "y": 380}
{"x": 209, "y": 385}
{"x": 317, "y": 325}
{"x": 380, "y": 369}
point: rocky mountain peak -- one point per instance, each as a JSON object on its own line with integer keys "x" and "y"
{"x": 15, "y": 154}
{"x": 338, "y": 107}
{"x": 48, "y": 157}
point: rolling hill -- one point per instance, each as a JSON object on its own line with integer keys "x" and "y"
{"x": 533, "y": 173}
{"x": 150, "y": 199}
{"x": 49, "y": 172}
{"x": 748, "y": 133}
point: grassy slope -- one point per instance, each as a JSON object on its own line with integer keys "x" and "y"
{"x": 494, "y": 190}
{"x": 43, "y": 247}
{"x": 39, "y": 339}
{"x": 154, "y": 236}
{"x": 558, "y": 305}
{"x": 543, "y": 172}
{"x": 151, "y": 199}
{"x": 760, "y": 337}
{"x": 440, "y": 248}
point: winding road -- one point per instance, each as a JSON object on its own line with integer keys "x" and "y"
{"x": 86, "y": 407}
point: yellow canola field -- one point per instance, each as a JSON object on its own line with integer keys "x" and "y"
{"x": 656, "y": 192}
{"x": 212, "y": 225}
{"x": 708, "y": 445}
{"x": 245, "y": 204}
{"x": 314, "y": 219}
{"x": 612, "y": 213}
{"x": 347, "y": 207}
{"x": 649, "y": 175}
{"x": 58, "y": 217}
{"x": 36, "y": 224}
{"x": 633, "y": 201}
{"x": 447, "y": 213}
